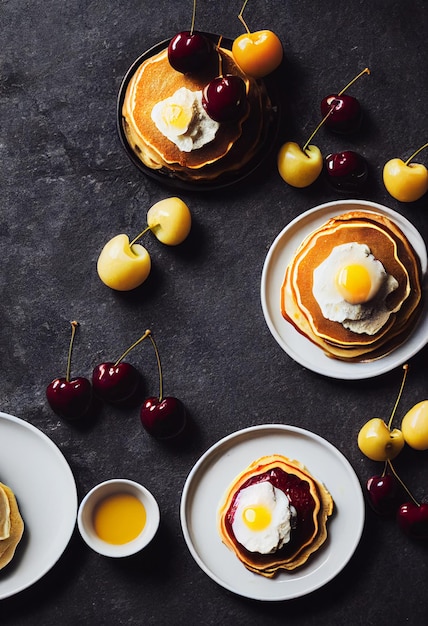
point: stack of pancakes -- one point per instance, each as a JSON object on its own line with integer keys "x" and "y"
{"x": 390, "y": 246}
{"x": 8, "y": 544}
{"x": 312, "y": 503}
{"x": 235, "y": 143}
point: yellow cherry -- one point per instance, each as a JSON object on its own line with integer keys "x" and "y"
{"x": 257, "y": 53}
{"x": 298, "y": 167}
{"x": 376, "y": 439}
{"x": 415, "y": 426}
{"x": 406, "y": 181}
{"x": 170, "y": 221}
{"x": 123, "y": 265}
{"x": 378, "y": 442}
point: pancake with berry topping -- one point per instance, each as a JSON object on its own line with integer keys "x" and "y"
{"x": 274, "y": 515}
{"x": 168, "y": 129}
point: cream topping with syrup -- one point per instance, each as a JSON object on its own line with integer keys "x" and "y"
{"x": 182, "y": 119}
{"x": 262, "y": 521}
{"x": 351, "y": 288}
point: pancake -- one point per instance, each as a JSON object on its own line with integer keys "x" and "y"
{"x": 389, "y": 245}
{"x": 8, "y": 545}
{"x": 312, "y": 503}
{"x": 234, "y": 144}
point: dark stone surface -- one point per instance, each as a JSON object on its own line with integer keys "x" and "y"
{"x": 67, "y": 187}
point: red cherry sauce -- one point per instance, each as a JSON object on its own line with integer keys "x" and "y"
{"x": 298, "y": 492}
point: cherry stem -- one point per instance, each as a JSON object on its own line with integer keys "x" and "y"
{"x": 143, "y": 232}
{"x": 241, "y": 19}
{"x": 159, "y": 365}
{"x": 416, "y": 153}
{"x": 406, "y": 489}
{"x": 317, "y": 129}
{"x": 146, "y": 334}
{"x": 193, "y": 17}
{"x": 405, "y": 368}
{"x": 365, "y": 71}
{"x": 74, "y": 325}
{"x": 220, "y": 59}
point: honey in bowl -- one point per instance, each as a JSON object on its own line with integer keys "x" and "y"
{"x": 119, "y": 518}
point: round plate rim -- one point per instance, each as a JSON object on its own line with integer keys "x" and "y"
{"x": 226, "y": 181}
{"x": 252, "y": 431}
{"x": 318, "y": 362}
{"x": 68, "y": 523}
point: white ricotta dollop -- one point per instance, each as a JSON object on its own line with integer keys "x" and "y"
{"x": 262, "y": 520}
{"x": 182, "y": 119}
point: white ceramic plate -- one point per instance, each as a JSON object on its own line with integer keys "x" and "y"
{"x": 37, "y": 472}
{"x": 296, "y": 345}
{"x": 213, "y": 473}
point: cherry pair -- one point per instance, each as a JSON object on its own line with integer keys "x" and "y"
{"x": 224, "y": 98}
{"x": 388, "y": 495}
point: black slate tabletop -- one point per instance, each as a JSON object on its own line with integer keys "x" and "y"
{"x": 67, "y": 186}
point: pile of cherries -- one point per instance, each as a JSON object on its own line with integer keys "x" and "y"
{"x": 224, "y": 97}
{"x": 117, "y": 383}
{"x": 346, "y": 171}
{"x": 386, "y": 492}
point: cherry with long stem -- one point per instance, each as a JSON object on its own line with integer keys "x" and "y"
{"x": 189, "y": 51}
{"x": 384, "y": 492}
{"x": 224, "y": 98}
{"x": 162, "y": 416}
{"x": 118, "y": 382}
{"x": 346, "y": 109}
{"x": 69, "y": 397}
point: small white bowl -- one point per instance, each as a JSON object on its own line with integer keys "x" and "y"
{"x": 101, "y": 491}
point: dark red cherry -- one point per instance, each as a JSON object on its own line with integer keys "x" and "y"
{"x": 225, "y": 98}
{"x": 347, "y": 171}
{"x": 189, "y": 51}
{"x": 346, "y": 114}
{"x": 164, "y": 418}
{"x": 413, "y": 519}
{"x": 116, "y": 383}
{"x": 385, "y": 494}
{"x": 70, "y": 399}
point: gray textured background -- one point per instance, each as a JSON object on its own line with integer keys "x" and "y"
{"x": 67, "y": 186}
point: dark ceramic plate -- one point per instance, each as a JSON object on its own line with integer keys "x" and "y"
{"x": 266, "y": 145}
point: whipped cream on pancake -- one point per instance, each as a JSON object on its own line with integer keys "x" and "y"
{"x": 182, "y": 119}
{"x": 351, "y": 287}
{"x": 262, "y": 521}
